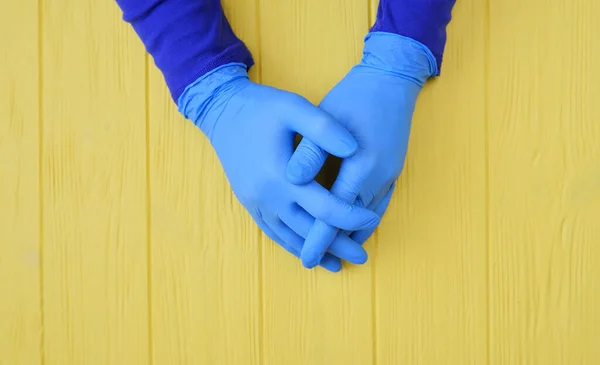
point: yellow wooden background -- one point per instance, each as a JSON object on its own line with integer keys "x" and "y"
{"x": 121, "y": 243}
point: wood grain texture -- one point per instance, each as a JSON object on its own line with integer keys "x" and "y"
{"x": 205, "y": 248}
{"x": 20, "y": 312}
{"x": 430, "y": 249}
{"x": 313, "y": 317}
{"x": 94, "y": 187}
{"x": 544, "y": 182}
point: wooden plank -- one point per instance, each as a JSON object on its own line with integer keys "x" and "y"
{"x": 205, "y": 247}
{"x": 20, "y": 312}
{"x": 544, "y": 182}
{"x": 373, "y": 4}
{"x": 94, "y": 187}
{"x": 430, "y": 256}
{"x": 313, "y": 317}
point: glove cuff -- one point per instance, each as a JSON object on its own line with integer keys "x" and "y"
{"x": 399, "y": 55}
{"x": 197, "y": 97}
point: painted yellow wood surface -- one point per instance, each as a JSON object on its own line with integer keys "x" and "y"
{"x": 20, "y": 233}
{"x": 94, "y": 187}
{"x": 121, "y": 242}
{"x": 544, "y": 182}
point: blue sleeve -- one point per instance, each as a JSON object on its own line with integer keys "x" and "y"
{"x": 422, "y": 20}
{"x": 186, "y": 38}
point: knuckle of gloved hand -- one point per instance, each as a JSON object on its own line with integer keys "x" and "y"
{"x": 368, "y": 166}
{"x": 324, "y": 210}
{"x": 343, "y": 204}
{"x": 349, "y": 189}
{"x": 389, "y": 172}
{"x": 309, "y": 157}
{"x": 289, "y": 99}
{"x": 366, "y": 197}
{"x": 329, "y": 212}
{"x": 320, "y": 126}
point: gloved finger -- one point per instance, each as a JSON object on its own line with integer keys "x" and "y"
{"x": 319, "y": 239}
{"x": 330, "y": 263}
{"x": 305, "y": 163}
{"x": 325, "y": 206}
{"x": 357, "y": 203}
{"x": 293, "y": 243}
{"x": 343, "y": 247}
{"x": 371, "y": 204}
{"x": 274, "y": 237}
{"x": 382, "y": 205}
{"x": 346, "y": 188}
{"x": 321, "y": 128}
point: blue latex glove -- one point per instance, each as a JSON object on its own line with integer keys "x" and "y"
{"x": 375, "y": 102}
{"x": 252, "y": 129}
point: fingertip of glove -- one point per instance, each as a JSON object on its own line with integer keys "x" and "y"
{"x": 298, "y": 174}
{"x": 349, "y": 147}
{"x": 311, "y": 259}
{"x": 336, "y": 268}
{"x": 332, "y": 265}
{"x": 360, "y": 259}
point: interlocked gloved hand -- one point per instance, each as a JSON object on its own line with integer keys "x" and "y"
{"x": 375, "y": 102}
{"x": 252, "y": 129}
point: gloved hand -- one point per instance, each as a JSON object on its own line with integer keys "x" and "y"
{"x": 252, "y": 129}
{"x": 375, "y": 102}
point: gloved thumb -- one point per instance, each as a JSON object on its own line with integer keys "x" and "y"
{"x": 305, "y": 163}
{"x": 379, "y": 205}
{"x": 320, "y": 127}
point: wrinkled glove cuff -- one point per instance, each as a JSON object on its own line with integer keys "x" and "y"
{"x": 196, "y": 98}
{"x": 399, "y": 55}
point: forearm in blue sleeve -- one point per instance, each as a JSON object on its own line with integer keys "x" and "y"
{"x": 422, "y": 20}
{"x": 186, "y": 38}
